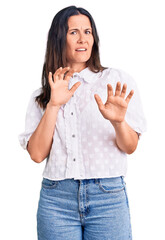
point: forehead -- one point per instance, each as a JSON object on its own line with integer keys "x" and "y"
{"x": 79, "y": 21}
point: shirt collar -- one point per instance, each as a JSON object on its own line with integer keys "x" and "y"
{"x": 86, "y": 74}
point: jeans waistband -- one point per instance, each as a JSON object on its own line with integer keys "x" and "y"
{"x": 97, "y": 180}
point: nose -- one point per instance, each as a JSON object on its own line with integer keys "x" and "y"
{"x": 81, "y": 38}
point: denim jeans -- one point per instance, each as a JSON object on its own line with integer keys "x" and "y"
{"x": 90, "y": 209}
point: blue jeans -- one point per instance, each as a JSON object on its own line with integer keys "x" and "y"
{"x": 91, "y": 209}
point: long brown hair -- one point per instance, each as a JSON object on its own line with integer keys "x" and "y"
{"x": 55, "y": 56}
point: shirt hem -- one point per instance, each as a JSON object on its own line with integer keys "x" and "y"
{"x": 81, "y": 178}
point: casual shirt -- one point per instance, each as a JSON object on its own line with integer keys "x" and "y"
{"x": 84, "y": 145}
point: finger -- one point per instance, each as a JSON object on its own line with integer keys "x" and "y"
{"x": 50, "y": 79}
{"x": 124, "y": 89}
{"x": 109, "y": 90}
{"x": 128, "y": 98}
{"x": 69, "y": 74}
{"x": 118, "y": 89}
{"x": 57, "y": 71}
{"x": 56, "y": 74}
{"x": 74, "y": 87}
{"x": 99, "y": 101}
{"x": 62, "y": 73}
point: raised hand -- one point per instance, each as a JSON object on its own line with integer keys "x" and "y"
{"x": 60, "y": 94}
{"x": 116, "y": 105}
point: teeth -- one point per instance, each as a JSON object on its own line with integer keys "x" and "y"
{"x": 81, "y": 49}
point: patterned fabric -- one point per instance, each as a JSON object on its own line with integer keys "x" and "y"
{"x": 84, "y": 144}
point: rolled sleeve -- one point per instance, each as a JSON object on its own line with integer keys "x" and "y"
{"x": 134, "y": 115}
{"x": 33, "y": 117}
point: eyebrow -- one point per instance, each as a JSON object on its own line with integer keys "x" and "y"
{"x": 71, "y": 29}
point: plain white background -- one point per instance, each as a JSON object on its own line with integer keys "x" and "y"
{"x": 131, "y": 38}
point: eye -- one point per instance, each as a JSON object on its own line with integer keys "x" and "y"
{"x": 88, "y": 31}
{"x": 73, "y": 33}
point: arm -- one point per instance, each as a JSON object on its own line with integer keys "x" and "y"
{"x": 114, "y": 110}
{"x": 126, "y": 137}
{"x": 40, "y": 142}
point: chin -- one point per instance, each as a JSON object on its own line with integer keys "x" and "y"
{"x": 82, "y": 59}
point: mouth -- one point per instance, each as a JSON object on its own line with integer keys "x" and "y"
{"x": 81, "y": 50}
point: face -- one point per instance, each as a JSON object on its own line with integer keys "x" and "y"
{"x": 79, "y": 41}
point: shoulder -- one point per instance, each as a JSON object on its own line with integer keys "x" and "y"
{"x": 36, "y": 93}
{"x": 117, "y": 73}
{"x": 114, "y": 75}
{"x": 32, "y": 102}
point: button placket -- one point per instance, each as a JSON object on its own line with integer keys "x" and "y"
{"x": 73, "y": 138}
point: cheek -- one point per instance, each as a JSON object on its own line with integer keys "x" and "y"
{"x": 91, "y": 43}
{"x": 91, "y": 47}
{"x": 69, "y": 51}
{"x": 70, "y": 48}
{"x": 69, "y": 44}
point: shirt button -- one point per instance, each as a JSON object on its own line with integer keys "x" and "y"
{"x": 74, "y": 159}
{"x": 71, "y": 113}
{"x": 73, "y": 135}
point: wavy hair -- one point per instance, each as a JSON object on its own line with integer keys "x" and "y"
{"x": 55, "y": 56}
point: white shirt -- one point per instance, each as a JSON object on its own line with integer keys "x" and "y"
{"x": 84, "y": 141}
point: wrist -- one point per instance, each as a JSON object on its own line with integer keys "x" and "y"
{"x": 52, "y": 107}
{"x": 118, "y": 124}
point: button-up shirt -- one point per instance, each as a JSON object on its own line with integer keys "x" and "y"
{"x": 84, "y": 143}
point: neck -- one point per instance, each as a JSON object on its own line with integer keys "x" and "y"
{"x": 77, "y": 67}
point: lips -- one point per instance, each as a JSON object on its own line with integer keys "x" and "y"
{"x": 81, "y": 50}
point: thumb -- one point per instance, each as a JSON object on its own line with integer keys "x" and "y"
{"x": 75, "y": 86}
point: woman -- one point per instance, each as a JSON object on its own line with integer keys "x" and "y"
{"x": 85, "y": 141}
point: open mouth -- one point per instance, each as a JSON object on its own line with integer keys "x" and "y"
{"x": 81, "y": 50}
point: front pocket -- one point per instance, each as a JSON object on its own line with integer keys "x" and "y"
{"x": 49, "y": 184}
{"x": 111, "y": 185}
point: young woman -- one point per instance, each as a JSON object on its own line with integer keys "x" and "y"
{"x": 84, "y": 120}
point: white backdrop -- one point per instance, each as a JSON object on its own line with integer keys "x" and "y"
{"x": 131, "y": 38}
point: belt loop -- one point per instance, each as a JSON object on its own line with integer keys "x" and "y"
{"x": 122, "y": 179}
{"x": 97, "y": 180}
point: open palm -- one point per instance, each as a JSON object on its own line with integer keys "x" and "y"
{"x": 59, "y": 81}
{"x": 116, "y": 105}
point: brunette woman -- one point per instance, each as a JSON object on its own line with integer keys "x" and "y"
{"x": 84, "y": 121}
